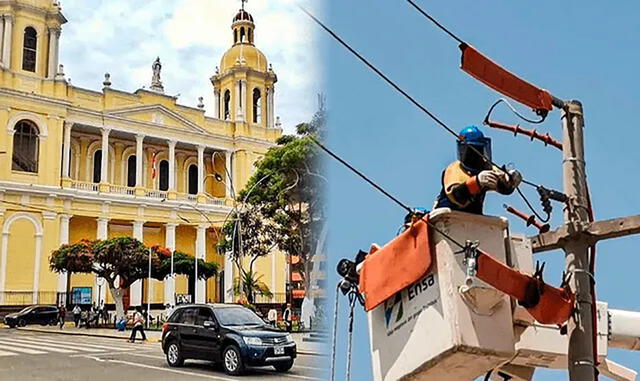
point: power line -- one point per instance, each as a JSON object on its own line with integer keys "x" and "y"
{"x": 382, "y": 190}
{"x": 433, "y": 20}
{"x": 403, "y": 92}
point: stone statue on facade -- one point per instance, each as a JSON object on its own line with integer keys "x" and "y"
{"x": 156, "y": 82}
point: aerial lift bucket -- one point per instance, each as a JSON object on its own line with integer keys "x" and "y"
{"x": 446, "y": 325}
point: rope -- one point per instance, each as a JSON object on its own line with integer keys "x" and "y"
{"x": 335, "y": 334}
{"x": 352, "y": 304}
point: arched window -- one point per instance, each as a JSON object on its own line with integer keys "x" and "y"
{"x": 163, "y": 181}
{"x": 235, "y": 36}
{"x": 97, "y": 166}
{"x": 257, "y": 106}
{"x": 25, "y": 147}
{"x": 250, "y": 35}
{"x": 193, "y": 179}
{"x": 131, "y": 171}
{"x": 241, "y": 34}
{"x": 227, "y": 105}
{"x": 29, "y": 49}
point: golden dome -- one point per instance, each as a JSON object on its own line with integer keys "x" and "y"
{"x": 246, "y": 55}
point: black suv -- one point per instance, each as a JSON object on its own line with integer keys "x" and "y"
{"x": 229, "y": 334}
{"x": 33, "y": 315}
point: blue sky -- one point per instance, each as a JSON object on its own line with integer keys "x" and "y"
{"x": 124, "y": 37}
{"x": 583, "y": 50}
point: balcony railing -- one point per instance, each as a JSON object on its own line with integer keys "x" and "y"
{"x": 120, "y": 189}
{"x": 25, "y": 298}
{"x": 151, "y": 193}
{"x": 85, "y": 186}
{"x": 156, "y": 194}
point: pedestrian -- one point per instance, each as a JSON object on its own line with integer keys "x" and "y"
{"x": 138, "y": 322}
{"x": 168, "y": 310}
{"x": 76, "y": 315}
{"x": 287, "y": 316}
{"x": 84, "y": 318}
{"x": 62, "y": 314}
{"x": 272, "y": 316}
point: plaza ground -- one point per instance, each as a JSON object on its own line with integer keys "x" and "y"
{"x": 32, "y": 355}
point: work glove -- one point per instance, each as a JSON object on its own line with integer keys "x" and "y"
{"x": 488, "y": 180}
{"x": 515, "y": 178}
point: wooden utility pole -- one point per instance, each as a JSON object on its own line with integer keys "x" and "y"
{"x": 580, "y": 355}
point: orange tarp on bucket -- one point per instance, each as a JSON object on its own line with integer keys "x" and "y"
{"x": 395, "y": 266}
{"x": 555, "y": 305}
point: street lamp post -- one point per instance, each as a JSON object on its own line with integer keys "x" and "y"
{"x": 100, "y": 282}
{"x": 149, "y": 291}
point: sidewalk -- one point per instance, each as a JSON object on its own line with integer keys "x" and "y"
{"x": 304, "y": 348}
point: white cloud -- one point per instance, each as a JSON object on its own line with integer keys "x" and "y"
{"x": 123, "y": 37}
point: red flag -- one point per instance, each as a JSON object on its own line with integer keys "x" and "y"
{"x": 154, "y": 169}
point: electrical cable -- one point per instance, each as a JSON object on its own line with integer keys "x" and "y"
{"x": 411, "y": 99}
{"x": 396, "y": 86}
{"x": 433, "y": 20}
{"x": 352, "y": 304}
{"x": 382, "y": 190}
{"x": 543, "y": 220}
{"x": 513, "y": 109}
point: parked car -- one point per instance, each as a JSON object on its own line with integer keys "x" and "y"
{"x": 33, "y": 315}
{"x": 229, "y": 334}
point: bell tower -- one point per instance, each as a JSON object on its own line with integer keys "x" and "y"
{"x": 244, "y": 82}
{"x": 30, "y": 37}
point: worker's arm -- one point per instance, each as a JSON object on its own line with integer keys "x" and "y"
{"x": 460, "y": 188}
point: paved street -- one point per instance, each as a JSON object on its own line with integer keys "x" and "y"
{"x": 45, "y": 356}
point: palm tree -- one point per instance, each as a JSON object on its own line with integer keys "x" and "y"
{"x": 249, "y": 284}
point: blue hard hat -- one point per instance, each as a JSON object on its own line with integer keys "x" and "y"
{"x": 473, "y": 135}
{"x": 474, "y": 159}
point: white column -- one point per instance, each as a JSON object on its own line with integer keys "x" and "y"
{"x": 172, "y": 165}
{"x": 135, "y": 291}
{"x": 6, "y": 48}
{"x": 66, "y": 154}
{"x": 200, "y": 254}
{"x": 216, "y": 102}
{"x": 269, "y": 113}
{"x": 139, "y": 160}
{"x": 1, "y": 38}
{"x": 102, "y": 233}
{"x": 272, "y": 109}
{"x": 104, "y": 167}
{"x": 64, "y": 239}
{"x": 169, "y": 281}
{"x": 228, "y": 174}
{"x": 200, "y": 169}
{"x": 54, "y": 35}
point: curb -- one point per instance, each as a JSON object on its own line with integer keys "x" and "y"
{"x": 104, "y": 335}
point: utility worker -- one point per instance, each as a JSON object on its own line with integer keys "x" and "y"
{"x": 466, "y": 181}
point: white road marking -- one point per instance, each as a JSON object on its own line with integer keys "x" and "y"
{"x": 183, "y": 372}
{"x": 101, "y": 346}
{"x": 27, "y": 351}
{"x": 12, "y": 346}
{"x": 3, "y": 353}
{"x": 122, "y": 353}
{"x": 58, "y": 345}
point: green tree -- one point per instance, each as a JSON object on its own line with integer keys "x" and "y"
{"x": 122, "y": 261}
{"x": 183, "y": 264}
{"x": 288, "y": 188}
{"x": 249, "y": 284}
{"x": 257, "y": 240}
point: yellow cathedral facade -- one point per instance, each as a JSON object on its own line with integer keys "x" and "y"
{"x": 83, "y": 164}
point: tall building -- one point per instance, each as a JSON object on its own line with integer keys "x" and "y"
{"x": 85, "y": 164}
